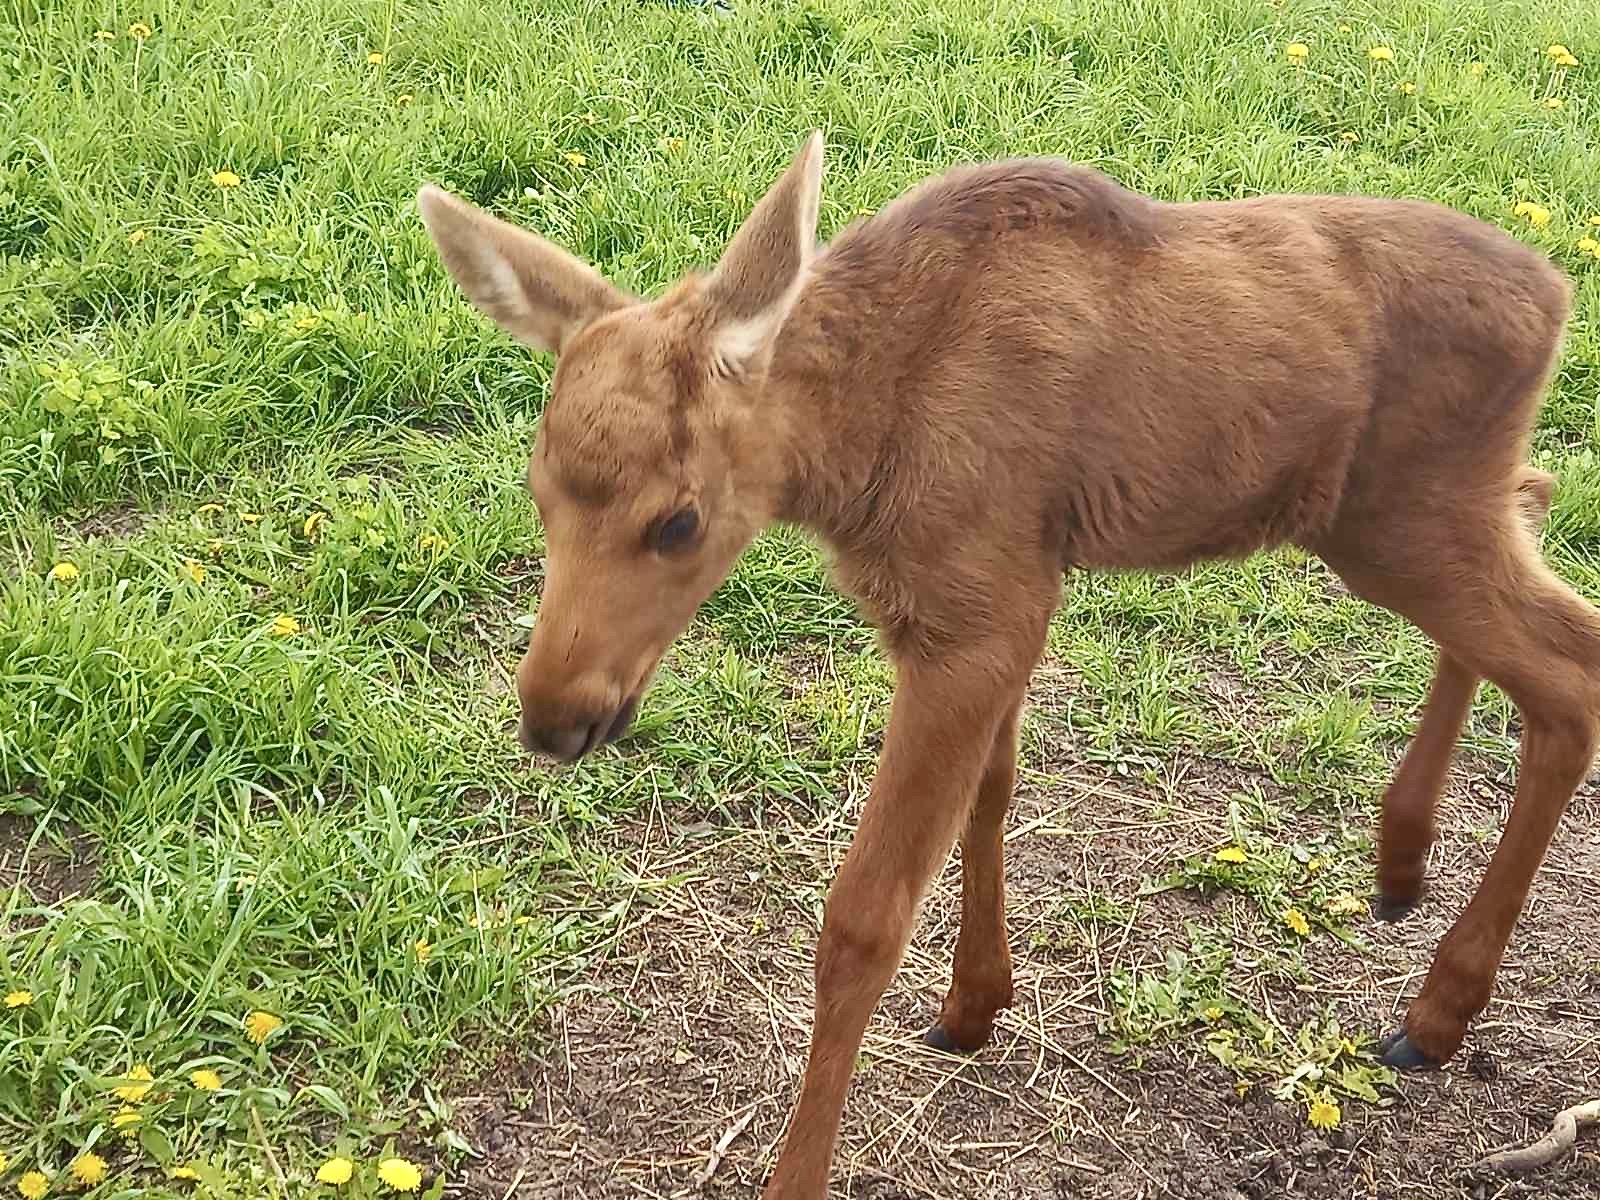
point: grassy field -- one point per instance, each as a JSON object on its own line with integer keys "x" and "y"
{"x": 268, "y": 560}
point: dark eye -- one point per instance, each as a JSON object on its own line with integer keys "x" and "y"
{"x": 676, "y": 531}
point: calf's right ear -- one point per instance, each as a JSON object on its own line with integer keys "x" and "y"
{"x": 530, "y": 287}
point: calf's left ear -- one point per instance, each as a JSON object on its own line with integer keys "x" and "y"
{"x": 761, "y": 273}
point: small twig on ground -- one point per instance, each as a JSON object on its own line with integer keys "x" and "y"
{"x": 704, "y": 1174}
{"x": 266, "y": 1146}
{"x": 515, "y": 1184}
{"x": 1560, "y": 1140}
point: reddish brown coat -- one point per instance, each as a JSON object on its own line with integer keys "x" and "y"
{"x": 1016, "y": 369}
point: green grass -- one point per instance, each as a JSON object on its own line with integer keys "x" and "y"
{"x": 280, "y": 819}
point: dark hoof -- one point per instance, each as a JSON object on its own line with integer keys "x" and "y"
{"x": 1387, "y": 908}
{"x": 1399, "y": 1052}
{"x": 940, "y": 1039}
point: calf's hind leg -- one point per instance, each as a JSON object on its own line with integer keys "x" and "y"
{"x": 1407, "y": 828}
{"x": 1481, "y": 591}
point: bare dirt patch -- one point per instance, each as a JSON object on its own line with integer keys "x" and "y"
{"x": 51, "y": 864}
{"x": 693, "y": 1025}
{"x": 118, "y": 523}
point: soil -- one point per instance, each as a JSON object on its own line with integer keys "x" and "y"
{"x": 61, "y": 862}
{"x": 693, "y": 1024}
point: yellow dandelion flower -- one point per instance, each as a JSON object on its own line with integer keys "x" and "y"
{"x": 336, "y": 1171}
{"x": 1297, "y": 52}
{"x": 283, "y": 625}
{"x": 104, "y": 35}
{"x": 404, "y": 99}
{"x": 1346, "y": 1046}
{"x": 137, "y": 236}
{"x": 1588, "y": 245}
{"x": 1295, "y": 920}
{"x": 1232, "y": 854}
{"x": 1536, "y": 215}
{"x": 20, "y": 998}
{"x": 670, "y": 145}
{"x": 1553, "y": 102}
{"x": 135, "y": 1092}
{"x": 1477, "y": 69}
{"x": 188, "y": 1173}
{"x": 1557, "y": 51}
{"x": 576, "y": 158}
{"x": 226, "y": 179}
{"x": 1407, "y": 88}
{"x": 88, "y": 1168}
{"x": 139, "y": 31}
{"x": 33, "y": 1185}
{"x": 207, "y": 508}
{"x": 194, "y": 570}
{"x": 314, "y": 522}
{"x": 1212, "y": 1014}
{"x": 64, "y": 572}
{"x": 1344, "y": 906}
{"x": 1349, "y": 137}
{"x": 1381, "y": 54}
{"x": 423, "y": 948}
{"x": 260, "y": 1025}
{"x": 1566, "y": 60}
{"x": 399, "y": 1174}
{"x": 205, "y": 1080}
{"x": 126, "y": 1120}
{"x": 432, "y": 541}
{"x": 1323, "y": 1113}
{"x": 375, "y": 58}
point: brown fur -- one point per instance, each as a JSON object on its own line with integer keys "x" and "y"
{"x": 1016, "y": 369}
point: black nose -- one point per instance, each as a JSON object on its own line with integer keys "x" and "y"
{"x": 567, "y": 745}
{"x": 572, "y": 742}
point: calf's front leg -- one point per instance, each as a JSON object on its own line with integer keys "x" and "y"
{"x": 980, "y": 976}
{"x": 942, "y": 729}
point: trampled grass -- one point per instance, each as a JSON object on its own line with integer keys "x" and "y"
{"x": 284, "y": 460}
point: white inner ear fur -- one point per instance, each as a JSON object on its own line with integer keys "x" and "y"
{"x": 509, "y": 293}
{"x": 735, "y": 344}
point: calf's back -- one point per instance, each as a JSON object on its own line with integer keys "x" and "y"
{"x": 1155, "y": 383}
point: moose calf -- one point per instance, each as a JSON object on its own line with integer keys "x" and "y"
{"x": 1019, "y": 368}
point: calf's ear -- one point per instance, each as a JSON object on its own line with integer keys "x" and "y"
{"x": 531, "y": 288}
{"x": 761, "y": 273}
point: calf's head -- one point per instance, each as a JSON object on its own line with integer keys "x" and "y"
{"x": 656, "y": 460}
